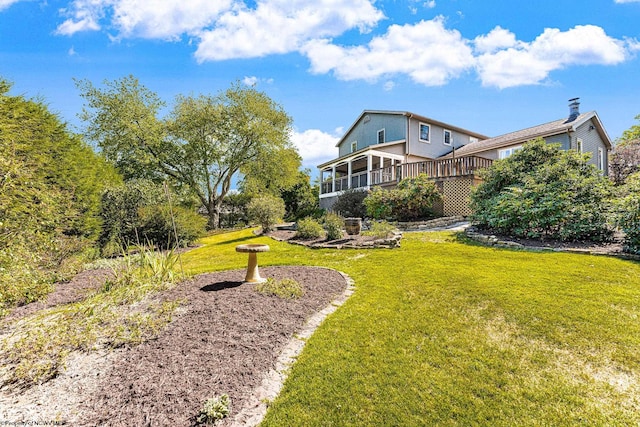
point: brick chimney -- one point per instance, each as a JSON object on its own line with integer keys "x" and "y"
{"x": 574, "y": 109}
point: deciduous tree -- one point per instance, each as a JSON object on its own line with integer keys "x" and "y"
{"x": 203, "y": 144}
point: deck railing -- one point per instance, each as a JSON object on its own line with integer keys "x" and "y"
{"x": 445, "y": 168}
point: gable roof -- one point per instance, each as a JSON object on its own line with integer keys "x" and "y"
{"x": 556, "y": 127}
{"x": 411, "y": 116}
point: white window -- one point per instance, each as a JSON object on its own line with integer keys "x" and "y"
{"x": 448, "y": 137}
{"x": 381, "y": 136}
{"x": 579, "y": 145}
{"x": 424, "y": 132}
{"x": 503, "y": 154}
{"x": 600, "y": 159}
{"x": 354, "y": 146}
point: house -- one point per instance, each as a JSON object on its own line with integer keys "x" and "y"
{"x": 582, "y": 132}
{"x": 382, "y": 147}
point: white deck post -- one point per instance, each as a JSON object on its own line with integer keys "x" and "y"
{"x": 333, "y": 178}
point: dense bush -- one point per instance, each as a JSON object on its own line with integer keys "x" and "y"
{"x": 157, "y": 225}
{"x": 140, "y": 213}
{"x": 309, "y": 228}
{"x": 50, "y": 186}
{"x": 349, "y": 204}
{"x": 541, "y": 191}
{"x": 412, "y": 199}
{"x": 266, "y": 210}
{"x": 234, "y": 210}
{"x": 333, "y": 224}
{"x": 629, "y": 213}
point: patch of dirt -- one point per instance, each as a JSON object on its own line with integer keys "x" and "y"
{"x": 223, "y": 339}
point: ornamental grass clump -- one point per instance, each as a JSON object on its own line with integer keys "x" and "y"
{"x": 285, "y": 288}
{"x": 116, "y": 314}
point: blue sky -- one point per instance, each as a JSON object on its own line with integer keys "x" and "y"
{"x": 488, "y": 66}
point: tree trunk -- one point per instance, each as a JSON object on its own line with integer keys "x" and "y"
{"x": 213, "y": 211}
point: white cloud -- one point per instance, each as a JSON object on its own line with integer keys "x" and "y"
{"x": 530, "y": 63}
{"x": 428, "y": 52}
{"x": 72, "y": 51}
{"x": 4, "y": 4}
{"x": 389, "y": 85}
{"x": 497, "y": 39}
{"x": 282, "y": 26}
{"x": 315, "y": 146}
{"x": 250, "y": 80}
{"x": 84, "y": 18}
{"x": 253, "y": 80}
{"x": 627, "y": 1}
{"x": 141, "y": 18}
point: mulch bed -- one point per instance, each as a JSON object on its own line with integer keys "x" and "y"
{"x": 223, "y": 339}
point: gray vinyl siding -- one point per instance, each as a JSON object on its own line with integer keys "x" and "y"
{"x": 436, "y": 146}
{"x": 591, "y": 141}
{"x": 562, "y": 139}
{"x": 365, "y": 132}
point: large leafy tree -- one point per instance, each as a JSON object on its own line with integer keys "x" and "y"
{"x": 203, "y": 144}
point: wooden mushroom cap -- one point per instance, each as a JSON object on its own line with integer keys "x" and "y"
{"x": 252, "y": 248}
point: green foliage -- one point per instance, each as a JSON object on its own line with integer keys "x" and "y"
{"x": 115, "y": 315}
{"x": 285, "y": 288}
{"x": 333, "y": 224}
{"x": 301, "y": 200}
{"x": 215, "y": 409}
{"x": 349, "y": 203}
{"x": 266, "y": 211}
{"x": 412, "y": 199}
{"x": 141, "y": 212}
{"x": 633, "y": 133}
{"x": 541, "y": 191}
{"x": 202, "y": 144}
{"x": 628, "y": 213}
{"x": 309, "y": 228}
{"x": 50, "y": 186}
{"x": 157, "y": 226}
{"x": 380, "y": 229}
{"x": 234, "y": 210}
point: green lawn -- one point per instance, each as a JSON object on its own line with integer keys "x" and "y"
{"x": 443, "y": 332}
